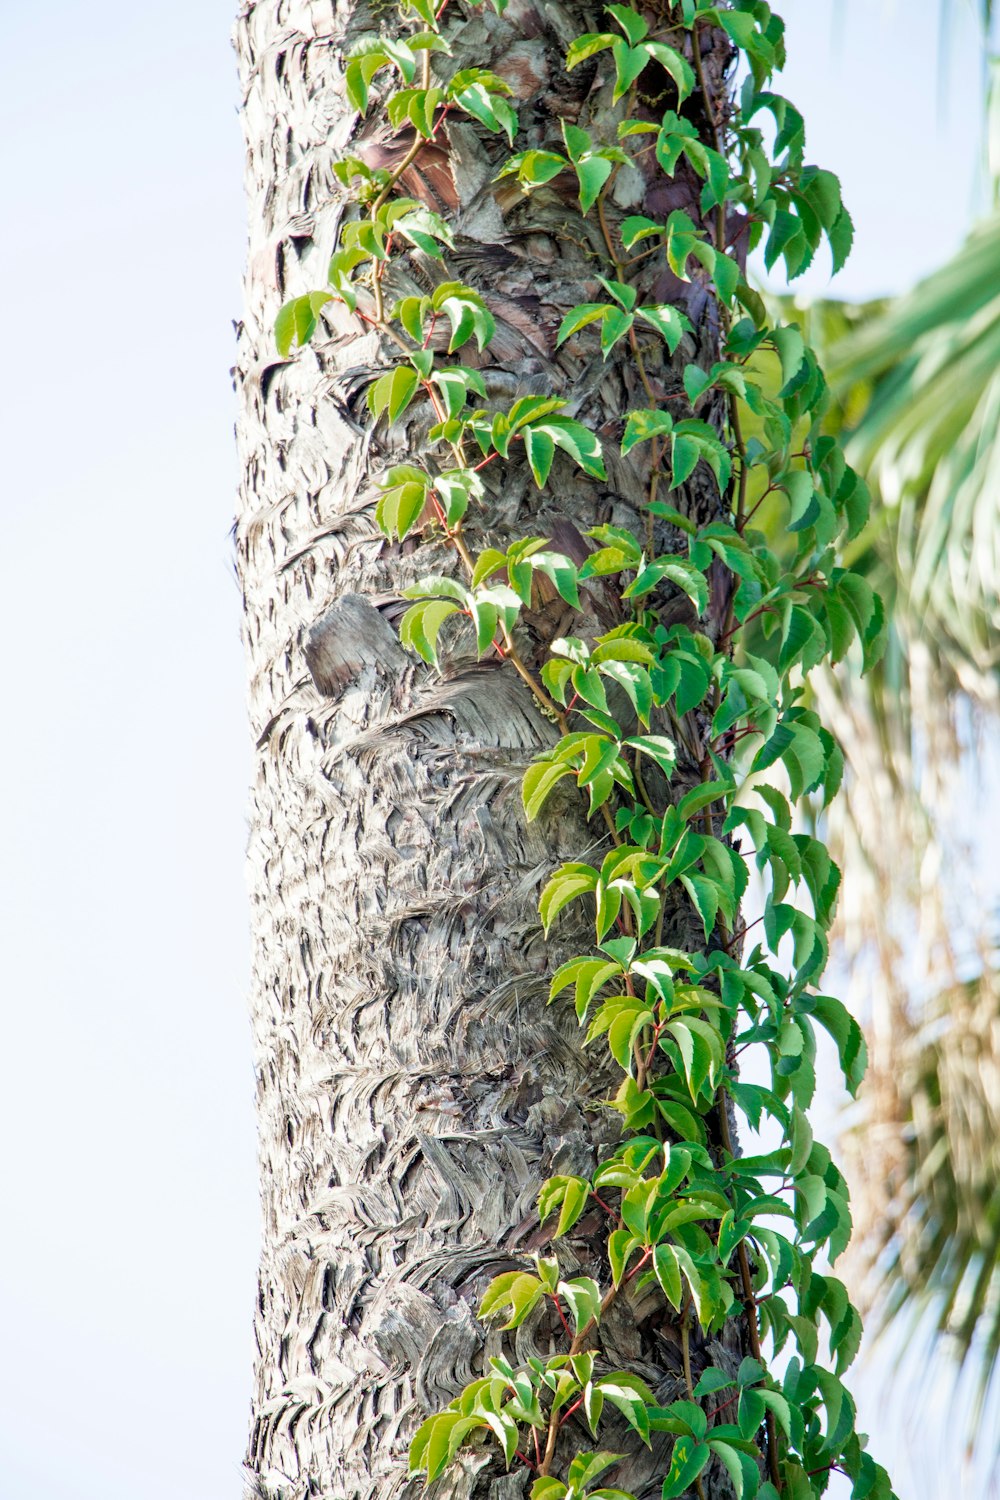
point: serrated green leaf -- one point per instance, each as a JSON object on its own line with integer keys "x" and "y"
{"x": 668, "y": 1274}
{"x": 592, "y": 172}
{"x": 686, "y": 1463}
{"x": 704, "y": 894}
{"x": 582, "y": 1296}
{"x": 644, "y": 425}
{"x": 633, "y": 25}
{"x": 670, "y": 324}
{"x": 587, "y": 46}
{"x": 632, "y": 1399}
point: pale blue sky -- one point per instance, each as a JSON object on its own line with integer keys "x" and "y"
{"x": 129, "y": 1246}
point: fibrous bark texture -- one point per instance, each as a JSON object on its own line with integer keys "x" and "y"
{"x": 413, "y": 1089}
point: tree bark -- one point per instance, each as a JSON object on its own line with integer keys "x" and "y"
{"x": 414, "y": 1090}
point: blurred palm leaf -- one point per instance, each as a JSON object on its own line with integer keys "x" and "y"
{"x": 928, "y": 442}
{"x": 918, "y": 387}
{"x": 919, "y": 384}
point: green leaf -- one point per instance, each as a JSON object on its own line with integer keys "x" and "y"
{"x": 547, "y": 1488}
{"x": 438, "y": 1440}
{"x": 727, "y": 277}
{"x": 535, "y": 168}
{"x": 482, "y": 98}
{"x": 841, "y": 238}
{"x": 466, "y": 312}
{"x": 629, "y": 64}
{"x": 579, "y": 317}
{"x": 694, "y": 440}
{"x": 587, "y": 1467}
{"x": 366, "y": 59}
{"x": 392, "y": 393}
{"x": 791, "y": 351}
{"x": 637, "y": 227}
{"x": 750, "y": 1412}
{"x": 418, "y": 106}
{"x": 777, "y": 1403}
{"x": 587, "y": 46}
{"x": 636, "y": 684}
{"x": 518, "y": 1291}
{"x": 593, "y": 172}
{"x": 678, "y": 67}
{"x": 700, "y": 797}
{"x": 577, "y": 441}
{"x": 668, "y": 1274}
{"x": 420, "y": 625}
{"x": 574, "y": 1202}
{"x": 615, "y": 326}
{"x": 583, "y": 1298}
{"x": 505, "y": 1430}
{"x": 455, "y": 385}
{"x": 848, "y": 1036}
{"x": 705, "y": 896}
{"x": 713, "y": 1380}
{"x": 658, "y": 748}
{"x": 424, "y": 229}
{"x": 799, "y": 487}
{"x": 677, "y": 570}
{"x": 624, "y": 295}
{"x": 633, "y": 25}
{"x": 404, "y": 495}
{"x": 621, "y": 1246}
{"x": 296, "y": 321}
{"x": 561, "y": 571}
{"x": 540, "y": 448}
{"x": 688, "y": 1416}
{"x": 632, "y": 1399}
{"x": 740, "y": 1467}
{"x": 686, "y": 1463}
{"x": 569, "y": 882}
{"x": 540, "y": 780}
{"x": 643, "y": 425}
{"x": 731, "y": 1232}
{"x": 588, "y": 975}
{"x": 668, "y": 322}
{"x": 455, "y": 489}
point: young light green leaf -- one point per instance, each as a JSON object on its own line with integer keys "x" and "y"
{"x": 568, "y": 883}
{"x": 296, "y": 322}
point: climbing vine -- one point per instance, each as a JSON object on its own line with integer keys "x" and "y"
{"x": 725, "y": 680}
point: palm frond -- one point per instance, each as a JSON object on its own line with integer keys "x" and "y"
{"x": 919, "y": 382}
{"x": 946, "y": 1262}
{"x": 928, "y": 444}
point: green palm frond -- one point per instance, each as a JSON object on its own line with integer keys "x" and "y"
{"x": 928, "y": 444}
{"x": 919, "y": 383}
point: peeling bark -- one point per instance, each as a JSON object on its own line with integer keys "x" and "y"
{"x": 414, "y": 1090}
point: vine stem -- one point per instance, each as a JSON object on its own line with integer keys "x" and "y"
{"x": 576, "y": 1347}
{"x": 418, "y": 145}
{"x": 750, "y": 1308}
{"x": 735, "y": 421}
{"x": 562, "y": 1317}
{"x": 620, "y": 266}
{"x": 686, "y": 1357}
{"x": 548, "y": 705}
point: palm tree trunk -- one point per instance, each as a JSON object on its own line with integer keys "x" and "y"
{"x": 413, "y": 1089}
